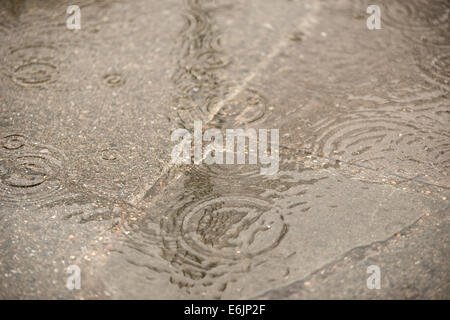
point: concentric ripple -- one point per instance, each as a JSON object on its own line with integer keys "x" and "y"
{"x": 7, "y": 26}
{"x": 13, "y": 141}
{"x": 110, "y": 154}
{"x": 211, "y": 60}
{"x": 209, "y": 239}
{"x": 424, "y": 22}
{"x": 416, "y": 14}
{"x": 212, "y": 229}
{"x": 200, "y": 58}
{"x": 32, "y": 65}
{"x": 228, "y": 227}
{"x": 109, "y": 171}
{"x": 113, "y": 80}
{"x": 382, "y": 139}
{"x": 30, "y": 173}
{"x": 198, "y": 77}
{"x": 437, "y": 70}
{"x": 248, "y": 108}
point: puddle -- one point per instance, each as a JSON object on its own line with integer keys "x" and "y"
{"x": 223, "y": 231}
{"x": 234, "y": 235}
{"x": 372, "y": 100}
{"x": 209, "y": 228}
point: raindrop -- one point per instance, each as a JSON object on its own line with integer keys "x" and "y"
{"x": 113, "y": 80}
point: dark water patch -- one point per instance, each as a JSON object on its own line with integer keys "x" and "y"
{"x": 212, "y": 228}
{"x": 209, "y": 236}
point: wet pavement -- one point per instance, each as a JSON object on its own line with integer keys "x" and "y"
{"x": 86, "y": 178}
